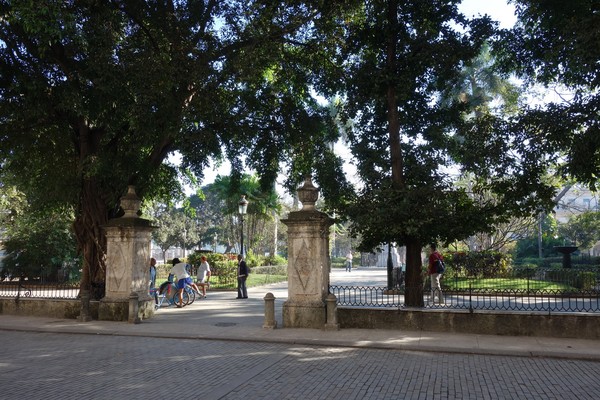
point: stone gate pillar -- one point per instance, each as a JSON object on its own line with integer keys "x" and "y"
{"x": 128, "y": 246}
{"x": 308, "y": 263}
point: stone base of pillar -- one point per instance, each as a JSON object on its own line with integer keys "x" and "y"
{"x": 113, "y": 309}
{"x": 304, "y": 315}
{"x": 118, "y": 309}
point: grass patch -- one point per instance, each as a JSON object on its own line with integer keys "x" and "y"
{"x": 502, "y": 284}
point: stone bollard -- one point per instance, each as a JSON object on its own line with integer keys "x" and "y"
{"x": 332, "y": 323}
{"x": 134, "y": 306}
{"x": 270, "y": 322}
{"x": 84, "y": 314}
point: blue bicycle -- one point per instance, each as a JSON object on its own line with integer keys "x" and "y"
{"x": 168, "y": 292}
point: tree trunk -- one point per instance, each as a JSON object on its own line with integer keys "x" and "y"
{"x": 413, "y": 294}
{"x": 275, "y": 233}
{"x": 392, "y": 106}
{"x": 91, "y": 239}
{"x": 414, "y": 281}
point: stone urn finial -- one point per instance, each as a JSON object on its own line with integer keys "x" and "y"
{"x": 308, "y": 194}
{"x": 130, "y": 203}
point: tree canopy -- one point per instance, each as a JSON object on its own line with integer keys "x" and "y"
{"x": 557, "y": 44}
{"x": 95, "y": 95}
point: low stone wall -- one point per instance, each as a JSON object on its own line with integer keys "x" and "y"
{"x": 575, "y": 325}
{"x": 71, "y": 308}
{"x": 64, "y": 309}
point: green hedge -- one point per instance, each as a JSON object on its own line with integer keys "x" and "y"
{"x": 584, "y": 280}
{"x": 270, "y": 270}
{"x": 482, "y": 264}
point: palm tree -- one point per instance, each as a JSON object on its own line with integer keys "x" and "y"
{"x": 263, "y": 206}
{"x": 480, "y": 86}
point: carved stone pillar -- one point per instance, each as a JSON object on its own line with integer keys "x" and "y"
{"x": 128, "y": 245}
{"x": 308, "y": 263}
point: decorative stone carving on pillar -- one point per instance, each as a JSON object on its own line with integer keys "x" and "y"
{"x": 128, "y": 245}
{"x": 308, "y": 262}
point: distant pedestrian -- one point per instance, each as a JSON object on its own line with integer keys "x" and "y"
{"x": 153, "y": 279}
{"x": 349, "y": 261}
{"x": 436, "y": 288}
{"x": 242, "y": 275}
{"x": 203, "y": 275}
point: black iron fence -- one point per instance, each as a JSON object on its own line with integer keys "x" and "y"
{"x": 19, "y": 287}
{"x": 535, "y": 289}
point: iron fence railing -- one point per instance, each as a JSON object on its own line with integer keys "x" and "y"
{"x": 519, "y": 289}
{"x": 472, "y": 299}
{"x": 367, "y": 296}
{"x": 17, "y": 288}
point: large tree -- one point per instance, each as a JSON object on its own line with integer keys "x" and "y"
{"x": 94, "y": 95}
{"x": 397, "y": 59}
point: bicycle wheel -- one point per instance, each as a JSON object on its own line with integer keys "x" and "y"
{"x": 191, "y": 295}
{"x": 186, "y": 298}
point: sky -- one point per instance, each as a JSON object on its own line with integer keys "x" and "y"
{"x": 498, "y": 10}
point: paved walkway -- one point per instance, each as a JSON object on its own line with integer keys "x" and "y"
{"x": 222, "y": 317}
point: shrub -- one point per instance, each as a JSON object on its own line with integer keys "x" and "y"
{"x": 276, "y": 260}
{"x": 586, "y": 280}
{"x": 525, "y": 271}
{"x": 338, "y": 262}
{"x": 270, "y": 270}
{"x": 482, "y": 264}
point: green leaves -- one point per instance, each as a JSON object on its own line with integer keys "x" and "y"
{"x": 557, "y": 44}
{"x": 582, "y": 230}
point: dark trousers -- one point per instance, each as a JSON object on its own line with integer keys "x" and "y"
{"x": 241, "y": 288}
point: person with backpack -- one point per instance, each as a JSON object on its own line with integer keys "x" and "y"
{"x": 435, "y": 270}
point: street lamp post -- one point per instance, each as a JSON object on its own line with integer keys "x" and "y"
{"x": 242, "y": 208}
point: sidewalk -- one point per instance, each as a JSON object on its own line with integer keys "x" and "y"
{"x": 222, "y": 317}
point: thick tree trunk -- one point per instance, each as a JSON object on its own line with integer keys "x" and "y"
{"x": 392, "y": 106}
{"x": 414, "y": 280}
{"x": 91, "y": 239}
{"x": 413, "y": 295}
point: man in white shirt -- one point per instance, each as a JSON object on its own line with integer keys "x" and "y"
{"x": 183, "y": 278}
{"x": 349, "y": 262}
{"x": 203, "y": 275}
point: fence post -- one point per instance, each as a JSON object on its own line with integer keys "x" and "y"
{"x": 470, "y": 297}
{"x": 84, "y": 314}
{"x": 134, "y": 306}
{"x": 270, "y": 322}
{"x": 332, "y": 323}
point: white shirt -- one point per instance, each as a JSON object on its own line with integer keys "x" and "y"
{"x": 180, "y": 271}
{"x": 203, "y": 270}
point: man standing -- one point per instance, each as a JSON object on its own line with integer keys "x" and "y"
{"x": 436, "y": 288}
{"x": 349, "y": 261}
{"x": 203, "y": 275}
{"x": 153, "y": 279}
{"x": 242, "y": 276}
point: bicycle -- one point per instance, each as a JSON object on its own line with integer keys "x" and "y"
{"x": 26, "y": 290}
{"x": 168, "y": 292}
